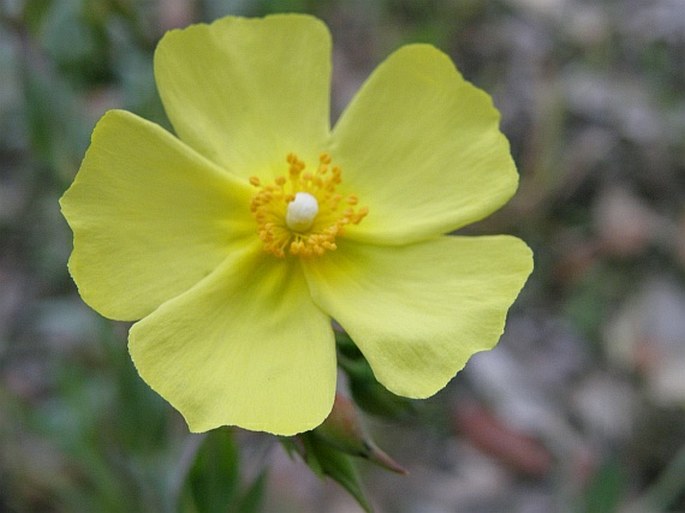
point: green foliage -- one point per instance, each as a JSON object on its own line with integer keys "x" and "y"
{"x": 367, "y": 392}
{"x": 271, "y": 6}
{"x": 330, "y": 448}
{"x": 57, "y": 129}
{"x": 213, "y": 484}
{"x": 606, "y": 489}
{"x": 326, "y": 460}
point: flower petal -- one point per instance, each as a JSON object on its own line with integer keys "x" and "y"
{"x": 421, "y": 147}
{"x": 150, "y": 217}
{"x": 246, "y": 92}
{"x": 245, "y": 347}
{"x": 419, "y": 312}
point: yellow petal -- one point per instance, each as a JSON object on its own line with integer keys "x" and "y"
{"x": 150, "y": 217}
{"x": 245, "y": 347}
{"x": 421, "y": 147}
{"x": 419, "y": 312}
{"x": 246, "y": 92}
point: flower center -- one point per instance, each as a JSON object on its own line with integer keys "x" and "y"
{"x": 302, "y": 214}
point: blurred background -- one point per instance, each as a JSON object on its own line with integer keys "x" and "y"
{"x": 581, "y": 406}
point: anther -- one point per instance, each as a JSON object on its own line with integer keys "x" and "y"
{"x": 301, "y": 214}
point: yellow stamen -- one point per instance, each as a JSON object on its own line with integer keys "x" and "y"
{"x": 299, "y": 214}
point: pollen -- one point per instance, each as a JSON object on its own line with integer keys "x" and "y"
{"x": 302, "y": 213}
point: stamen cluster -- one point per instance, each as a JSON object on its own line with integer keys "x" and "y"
{"x": 269, "y": 207}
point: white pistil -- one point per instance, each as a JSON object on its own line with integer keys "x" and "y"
{"x": 301, "y": 212}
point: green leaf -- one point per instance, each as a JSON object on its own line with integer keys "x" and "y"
{"x": 366, "y": 391}
{"x": 326, "y": 460}
{"x": 344, "y": 430}
{"x": 606, "y": 489}
{"x": 251, "y": 500}
{"x": 212, "y": 483}
{"x": 56, "y": 124}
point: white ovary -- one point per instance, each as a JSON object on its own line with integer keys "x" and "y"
{"x": 301, "y": 212}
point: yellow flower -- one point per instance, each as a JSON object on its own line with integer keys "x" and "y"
{"x": 237, "y": 241}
